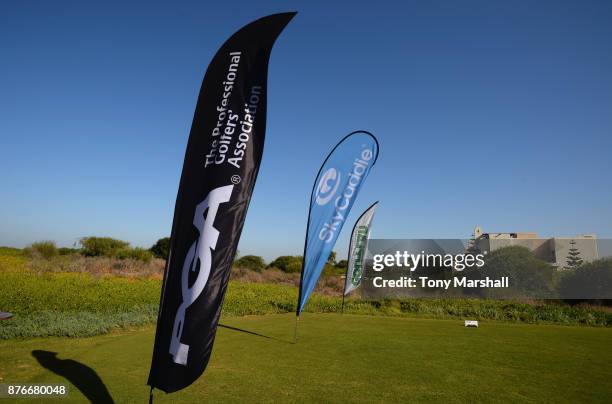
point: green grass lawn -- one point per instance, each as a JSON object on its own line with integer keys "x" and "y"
{"x": 349, "y": 358}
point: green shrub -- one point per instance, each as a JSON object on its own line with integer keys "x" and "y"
{"x": 123, "y": 253}
{"x": 530, "y": 275}
{"x": 101, "y": 246}
{"x": 141, "y": 254}
{"x": 113, "y": 248}
{"x": 252, "y": 262}
{"x": 67, "y": 251}
{"x": 161, "y": 248}
{"x": 11, "y": 252}
{"x": 135, "y": 253}
{"x": 592, "y": 280}
{"x": 295, "y": 266}
{"x": 45, "y": 249}
{"x": 288, "y": 263}
{"x": 332, "y": 270}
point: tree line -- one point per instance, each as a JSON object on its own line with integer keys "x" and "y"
{"x": 115, "y": 248}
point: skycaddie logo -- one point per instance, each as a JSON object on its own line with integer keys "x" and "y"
{"x": 328, "y": 186}
{"x": 345, "y": 199}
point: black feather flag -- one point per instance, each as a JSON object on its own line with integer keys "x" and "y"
{"x": 221, "y": 164}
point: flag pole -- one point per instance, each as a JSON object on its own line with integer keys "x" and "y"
{"x": 297, "y": 317}
{"x": 345, "y": 279}
{"x": 151, "y": 395}
{"x": 346, "y": 274}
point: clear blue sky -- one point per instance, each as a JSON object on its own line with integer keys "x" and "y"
{"x": 491, "y": 113}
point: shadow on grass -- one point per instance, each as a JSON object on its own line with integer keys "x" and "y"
{"x": 81, "y": 376}
{"x": 253, "y": 333}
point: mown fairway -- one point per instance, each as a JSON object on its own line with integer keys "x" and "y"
{"x": 346, "y": 358}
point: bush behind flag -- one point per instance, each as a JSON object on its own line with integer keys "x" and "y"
{"x": 358, "y": 248}
{"x": 335, "y": 189}
{"x": 221, "y": 164}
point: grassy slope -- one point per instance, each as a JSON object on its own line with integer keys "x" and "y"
{"x": 81, "y": 304}
{"x": 351, "y": 358}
